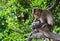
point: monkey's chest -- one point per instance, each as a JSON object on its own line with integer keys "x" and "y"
{"x": 43, "y": 19}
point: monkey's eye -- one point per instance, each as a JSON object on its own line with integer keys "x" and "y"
{"x": 37, "y": 14}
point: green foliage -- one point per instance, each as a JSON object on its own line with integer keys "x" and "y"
{"x": 16, "y": 17}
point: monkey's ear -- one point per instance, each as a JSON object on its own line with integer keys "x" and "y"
{"x": 36, "y": 10}
{"x": 33, "y": 10}
{"x": 40, "y": 10}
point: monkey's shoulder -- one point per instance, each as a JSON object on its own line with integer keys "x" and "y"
{"x": 46, "y": 12}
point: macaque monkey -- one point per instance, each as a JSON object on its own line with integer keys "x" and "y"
{"x": 44, "y": 16}
{"x": 43, "y": 19}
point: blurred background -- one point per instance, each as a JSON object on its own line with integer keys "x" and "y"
{"x": 16, "y": 18}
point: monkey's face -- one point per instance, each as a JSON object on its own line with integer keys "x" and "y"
{"x": 36, "y": 12}
{"x": 37, "y": 15}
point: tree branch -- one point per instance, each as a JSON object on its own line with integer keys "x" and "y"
{"x": 44, "y": 34}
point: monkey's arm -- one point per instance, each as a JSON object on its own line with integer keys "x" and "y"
{"x": 50, "y": 18}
